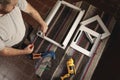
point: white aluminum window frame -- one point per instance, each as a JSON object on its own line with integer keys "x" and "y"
{"x": 77, "y": 37}
{"x": 106, "y": 32}
{"x": 74, "y": 25}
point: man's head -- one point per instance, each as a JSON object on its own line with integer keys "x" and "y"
{"x": 7, "y": 6}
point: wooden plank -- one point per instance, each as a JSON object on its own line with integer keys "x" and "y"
{"x": 99, "y": 53}
{"x": 91, "y": 11}
{"x": 81, "y": 61}
{"x": 58, "y": 70}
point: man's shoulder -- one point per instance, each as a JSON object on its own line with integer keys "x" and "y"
{"x": 22, "y": 4}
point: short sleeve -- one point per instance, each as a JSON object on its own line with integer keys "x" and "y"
{"x": 22, "y": 4}
{"x": 2, "y": 45}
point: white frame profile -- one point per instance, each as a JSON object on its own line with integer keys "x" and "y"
{"x": 78, "y": 36}
{"x": 102, "y": 25}
{"x": 74, "y": 25}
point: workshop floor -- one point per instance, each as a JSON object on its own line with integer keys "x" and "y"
{"x": 21, "y": 67}
{"x": 16, "y": 68}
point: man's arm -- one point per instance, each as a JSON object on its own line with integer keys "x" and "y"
{"x": 34, "y": 13}
{"x": 8, "y": 51}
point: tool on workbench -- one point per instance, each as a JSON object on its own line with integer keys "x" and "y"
{"x": 49, "y": 54}
{"x": 43, "y": 55}
{"x": 36, "y": 56}
{"x": 70, "y": 68}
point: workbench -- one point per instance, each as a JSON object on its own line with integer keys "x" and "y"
{"x": 65, "y": 22}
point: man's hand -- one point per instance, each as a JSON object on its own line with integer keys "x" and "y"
{"x": 9, "y": 51}
{"x": 43, "y": 27}
{"x": 29, "y": 49}
{"x": 35, "y": 14}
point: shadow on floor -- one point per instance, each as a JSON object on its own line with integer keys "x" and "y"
{"x": 109, "y": 65}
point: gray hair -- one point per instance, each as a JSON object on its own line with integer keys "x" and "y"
{"x": 5, "y": 2}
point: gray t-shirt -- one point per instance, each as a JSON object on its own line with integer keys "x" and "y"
{"x": 12, "y": 28}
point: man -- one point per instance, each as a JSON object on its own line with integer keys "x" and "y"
{"x": 12, "y": 28}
